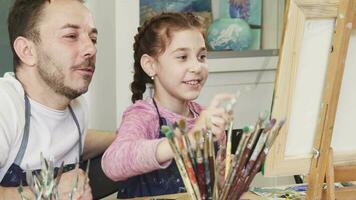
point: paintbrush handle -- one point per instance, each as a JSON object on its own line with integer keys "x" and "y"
{"x": 188, "y": 165}
{"x": 256, "y": 169}
{"x": 232, "y": 195}
{"x": 228, "y": 149}
{"x": 228, "y": 181}
{"x": 244, "y": 158}
{"x": 207, "y": 178}
{"x": 207, "y": 167}
{"x": 190, "y": 152}
{"x": 239, "y": 171}
{"x": 201, "y": 180}
{"x": 190, "y": 170}
{"x": 212, "y": 172}
{"x": 248, "y": 176}
{"x": 182, "y": 170}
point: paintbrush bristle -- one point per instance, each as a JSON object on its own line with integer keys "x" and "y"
{"x": 175, "y": 125}
{"x": 270, "y": 125}
{"x": 246, "y": 129}
{"x": 167, "y": 131}
{"x": 181, "y": 125}
{"x": 263, "y": 115}
{"x": 275, "y": 133}
{"x": 281, "y": 123}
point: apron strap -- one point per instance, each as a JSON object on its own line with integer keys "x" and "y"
{"x": 23, "y": 146}
{"x": 79, "y": 132}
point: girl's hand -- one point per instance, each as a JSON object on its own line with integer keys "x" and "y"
{"x": 214, "y": 116}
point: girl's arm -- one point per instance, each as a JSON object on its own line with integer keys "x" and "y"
{"x": 164, "y": 151}
{"x": 135, "y": 148}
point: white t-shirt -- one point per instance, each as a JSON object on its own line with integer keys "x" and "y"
{"x": 52, "y": 132}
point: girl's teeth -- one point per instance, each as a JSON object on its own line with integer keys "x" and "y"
{"x": 192, "y": 82}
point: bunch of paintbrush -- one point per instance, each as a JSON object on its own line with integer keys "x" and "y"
{"x": 44, "y": 185}
{"x": 208, "y": 178}
{"x": 249, "y": 156}
{"x": 196, "y": 162}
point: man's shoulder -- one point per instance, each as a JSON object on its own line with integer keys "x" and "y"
{"x": 10, "y": 86}
{"x": 11, "y": 91}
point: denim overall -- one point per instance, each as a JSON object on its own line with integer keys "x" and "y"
{"x": 158, "y": 182}
{"x": 15, "y": 175}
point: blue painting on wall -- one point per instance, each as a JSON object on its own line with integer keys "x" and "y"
{"x": 238, "y": 26}
{"x": 149, "y": 8}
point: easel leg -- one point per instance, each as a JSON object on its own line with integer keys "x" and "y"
{"x": 330, "y": 178}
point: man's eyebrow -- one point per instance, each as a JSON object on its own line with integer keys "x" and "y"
{"x": 74, "y": 26}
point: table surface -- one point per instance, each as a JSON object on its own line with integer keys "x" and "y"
{"x": 184, "y": 196}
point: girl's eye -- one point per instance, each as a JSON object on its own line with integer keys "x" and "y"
{"x": 202, "y": 57}
{"x": 182, "y": 57}
{"x": 71, "y": 36}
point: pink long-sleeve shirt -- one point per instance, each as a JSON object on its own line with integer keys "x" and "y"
{"x": 134, "y": 150}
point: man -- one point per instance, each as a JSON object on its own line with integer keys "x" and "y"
{"x": 41, "y": 108}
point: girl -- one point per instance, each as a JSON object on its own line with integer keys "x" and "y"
{"x": 170, "y": 53}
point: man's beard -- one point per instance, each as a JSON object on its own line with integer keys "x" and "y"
{"x": 54, "y": 78}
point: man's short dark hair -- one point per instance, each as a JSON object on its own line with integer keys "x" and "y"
{"x": 22, "y": 21}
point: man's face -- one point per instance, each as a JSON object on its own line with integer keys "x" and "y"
{"x": 66, "y": 52}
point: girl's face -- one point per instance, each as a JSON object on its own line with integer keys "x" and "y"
{"x": 181, "y": 70}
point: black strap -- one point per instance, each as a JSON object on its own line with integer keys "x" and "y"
{"x": 162, "y": 120}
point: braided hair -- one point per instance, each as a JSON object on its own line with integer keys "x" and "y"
{"x": 152, "y": 38}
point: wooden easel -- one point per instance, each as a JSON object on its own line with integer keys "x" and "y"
{"x": 322, "y": 167}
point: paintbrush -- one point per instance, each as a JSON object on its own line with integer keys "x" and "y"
{"x": 235, "y": 162}
{"x": 260, "y": 144}
{"x": 169, "y": 135}
{"x": 261, "y": 158}
{"x": 200, "y": 165}
{"x": 257, "y": 150}
{"x": 252, "y": 140}
{"x": 229, "y": 108}
{"x": 182, "y": 127}
{"x": 220, "y": 163}
{"x": 247, "y": 151}
{"x": 186, "y": 160}
{"x": 228, "y": 148}
{"x": 211, "y": 152}
{"x": 207, "y": 166}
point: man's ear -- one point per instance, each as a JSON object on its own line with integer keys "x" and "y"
{"x": 148, "y": 65}
{"x": 25, "y": 50}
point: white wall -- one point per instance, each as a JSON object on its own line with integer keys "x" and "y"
{"x": 102, "y": 91}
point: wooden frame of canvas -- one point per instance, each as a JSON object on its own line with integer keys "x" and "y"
{"x": 321, "y": 165}
{"x": 298, "y": 13}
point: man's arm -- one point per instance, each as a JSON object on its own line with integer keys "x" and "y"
{"x": 96, "y": 142}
